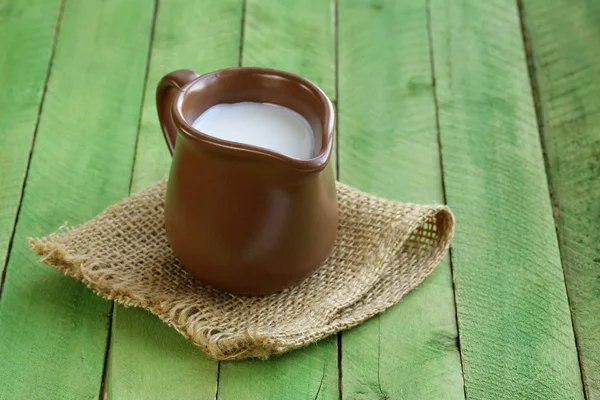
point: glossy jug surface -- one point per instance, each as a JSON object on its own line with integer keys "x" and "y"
{"x": 238, "y": 217}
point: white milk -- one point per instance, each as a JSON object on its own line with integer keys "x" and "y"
{"x": 265, "y": 125}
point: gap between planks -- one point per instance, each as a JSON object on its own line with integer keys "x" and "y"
{"x": 441, "y": 158}
{"x": 35, "y": 131}
{"x": 539, "y": 115}
{"x": 103, "y": 394}
{"x": 335, "y": 16}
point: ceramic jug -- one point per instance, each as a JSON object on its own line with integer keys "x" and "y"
{"x": 238, "y": 217}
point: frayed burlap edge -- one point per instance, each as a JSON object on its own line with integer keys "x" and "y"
{"x": 380, "y": 289}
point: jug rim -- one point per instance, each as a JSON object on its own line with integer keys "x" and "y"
{"x": 315, "y": 163}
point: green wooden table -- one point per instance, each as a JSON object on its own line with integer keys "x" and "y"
{"x": 490, "y": 106}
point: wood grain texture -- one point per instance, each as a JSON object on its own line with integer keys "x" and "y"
{"x": 516, "y": 335}
{"x": 53, "y": 329}
{"x": 294, "y": 36}
{"x": 148, "y": 359}
{"x": 388, "y": 145}
{"x": 564, "y": 37}
{"x": 297, "y": 37}
{"x": 27, "y": 29}
{"x": 309, "y": 373}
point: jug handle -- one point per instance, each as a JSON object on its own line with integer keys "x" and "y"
{"x": 168, "y": 87}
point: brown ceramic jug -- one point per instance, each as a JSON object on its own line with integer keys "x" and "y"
{"x": 238, "y": 217}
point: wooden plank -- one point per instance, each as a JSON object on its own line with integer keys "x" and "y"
{"x": 295, "y": 36}
{"x": 53, "y": 329}
{"x": 516, "y": 335}
{"x": 298, "y": 37}
{"x": 567, "y": 75}
{"x": 388, "y": 145}
{"x": 148, "y": 359}
{"x": 27, "y": 29}
{"x": 309, "y": 373}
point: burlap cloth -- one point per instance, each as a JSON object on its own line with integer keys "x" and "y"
{"x": 383, "y": 250}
